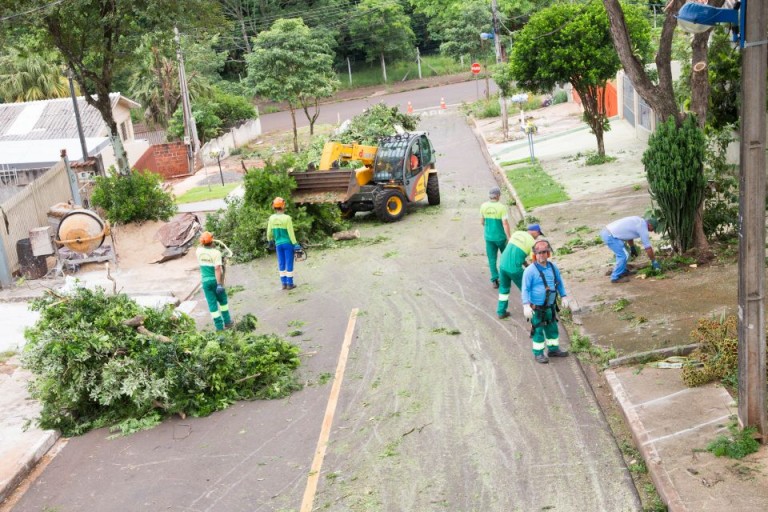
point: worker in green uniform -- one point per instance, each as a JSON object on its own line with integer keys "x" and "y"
{"x": 542, "y": 283}
{"x": 211, "y": 269}
{"x": 496, "y": 231}
{"x": 513, "y": 262}
{"x": 280, "y": 232}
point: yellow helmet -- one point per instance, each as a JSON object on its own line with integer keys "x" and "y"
{"x": 206, "y": 238}
{"x": 278, "y": 202}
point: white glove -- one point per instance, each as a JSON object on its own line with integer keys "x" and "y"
{"x": 527, "y": 311}
{"x": 565, "y": 302}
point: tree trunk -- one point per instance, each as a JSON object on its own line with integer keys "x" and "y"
{"x": 311, "y": 117}
{"x": 245, "y": 34}
{"x": 700, "y": 77}
{"x": 295, "y": 131}
{"x": 593, "y": 114}
{"x": 661, "y": 97}
{"x": 383, "y": 67}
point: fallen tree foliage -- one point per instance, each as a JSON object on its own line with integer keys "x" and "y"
{"x": 102, "y": 360}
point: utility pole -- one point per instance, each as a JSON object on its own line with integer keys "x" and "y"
{"x": 83, "y": 145}
{"x": 190, "y": 130}
{"x": 752, "y": 380}
{"x": 497, "y": 43}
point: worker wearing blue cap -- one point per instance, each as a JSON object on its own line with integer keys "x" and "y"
{"x": 513, "y": 262}
{"x": 495, "y": 231}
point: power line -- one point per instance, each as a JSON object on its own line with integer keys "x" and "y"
{"x": 32, "y": 11}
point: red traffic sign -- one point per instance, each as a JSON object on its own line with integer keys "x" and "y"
{"x": 475, "y": 68}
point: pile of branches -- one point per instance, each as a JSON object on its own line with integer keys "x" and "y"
{"x": 102, "y": 360}
{"x": 717, "y": 357}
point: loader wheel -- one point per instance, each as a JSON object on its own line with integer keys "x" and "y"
{"x": 433, "y": 190}
{"x": 347, "y": 212}
{"x": 389, "y": 205}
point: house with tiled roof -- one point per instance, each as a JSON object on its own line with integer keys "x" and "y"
{"x": 32, "y": 134}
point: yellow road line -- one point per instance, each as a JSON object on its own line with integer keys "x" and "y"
{"x": 330, "y": 410}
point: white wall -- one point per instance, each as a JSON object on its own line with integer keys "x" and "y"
{"x": 235, "y": 138}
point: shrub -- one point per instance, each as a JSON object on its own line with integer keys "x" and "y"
{"x": 91, "y": 370}
{"x": 739, "y": 445}
{"x": 721, "y": 197}
{"x": 674, "y": 167}
{"x": 560, "y": 97}
{"x": 134, "y": 198}
{"x": 243, "y": 225}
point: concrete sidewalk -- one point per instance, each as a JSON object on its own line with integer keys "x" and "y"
{"x": 671, "y": 424}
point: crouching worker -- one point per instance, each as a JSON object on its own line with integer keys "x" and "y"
{"x": 542, "y": 283}
{"x": 211, "y": 269}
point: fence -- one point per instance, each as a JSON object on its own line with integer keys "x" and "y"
{"x": 28, "y": 209}
{"x": 235, "y": 138}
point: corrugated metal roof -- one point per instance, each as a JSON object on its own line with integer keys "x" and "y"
{"x": 53, "y": 119}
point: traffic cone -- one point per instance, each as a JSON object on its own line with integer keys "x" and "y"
{"x": 442, "y": 103}
{"x": 410, "y": 108}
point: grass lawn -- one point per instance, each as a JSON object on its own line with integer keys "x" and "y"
{"x": 535, "y": 187}
{"x": 370, "y": 74}
{"x": 196, "y": 194}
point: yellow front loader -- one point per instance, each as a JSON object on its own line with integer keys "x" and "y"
{"x": 399, "y": 170}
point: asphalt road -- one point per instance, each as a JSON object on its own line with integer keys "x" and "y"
{"x": 440, "y": 406}
{"x": 421, "y": 99}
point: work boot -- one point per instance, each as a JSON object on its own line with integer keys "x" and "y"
{"x": 624, "y": 279}
{"x": 628, "y": 273}
{"x": 503, "y": 315}
{"x": 285, "y": 286}
{"x": 495, "y": 283}
{"x": 541, "y": 358}
{"x": 290, "y": 286}
{"x": 557, "y": 353}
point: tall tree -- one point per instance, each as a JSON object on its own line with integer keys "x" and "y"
{"x": 381, "y": 29}
{"x": 30, "y": 77}
{"x": 291, "y": 63}
{"x": 659, "y": 94}
{"x": 96, "y": 39}
{"x": 460, "y": 35}
{"x": 572, "y": 43}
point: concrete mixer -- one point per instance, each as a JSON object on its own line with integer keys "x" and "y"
{"x": 82, "y": 232}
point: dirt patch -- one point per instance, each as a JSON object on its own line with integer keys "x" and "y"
{"x": 661, "y": 312}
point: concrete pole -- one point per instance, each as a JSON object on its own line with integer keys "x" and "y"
{"x": 83, "y": 146}
{"x": 189, "y": 129}
{"x": 72, "y": 179}
{"x": 418, "y": 61}
{"x": 497, "y": 42}
{"x": 752, "y": 380}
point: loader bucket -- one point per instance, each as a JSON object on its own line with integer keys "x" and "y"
{"x": 334, "y": 186}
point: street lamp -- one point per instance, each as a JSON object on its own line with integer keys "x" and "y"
{"x": 694, "y": 17}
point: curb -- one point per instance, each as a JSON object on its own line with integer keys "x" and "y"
{"x": 27, "y": 461}
{"x": 662, "y": 481}
{"x": 497, "y": 171}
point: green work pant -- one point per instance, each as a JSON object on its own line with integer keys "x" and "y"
{"x": 510, "y": 274}
{"x": 217, "y": 305}
{"x": 544, "y": 331}
{"x": 492, "y": 249}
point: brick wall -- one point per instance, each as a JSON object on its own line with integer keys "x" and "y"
{"x": 168, "y": 160}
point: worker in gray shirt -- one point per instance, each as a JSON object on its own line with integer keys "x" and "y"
{"x": 627, "y": 230}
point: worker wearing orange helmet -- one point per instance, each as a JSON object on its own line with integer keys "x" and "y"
{"x": 280, "y": 231}
{"x": 212, "y": 271}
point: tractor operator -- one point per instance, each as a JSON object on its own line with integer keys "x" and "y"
{"x": 280, "y": 234}
{"x": 626, "y": 230}
{"x": 212, "y": 272}
{"x": 542, "y": 283}
{"x": 496, "y": 231}
{"x": 513, "y": 262}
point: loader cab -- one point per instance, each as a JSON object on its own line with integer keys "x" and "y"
{"x": 402, "y": 158}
